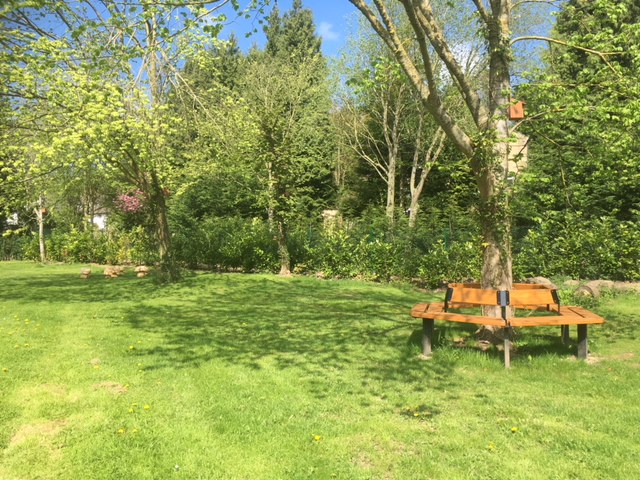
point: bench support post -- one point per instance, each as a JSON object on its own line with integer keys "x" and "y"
{"x": 427, "y": 336}
{"x": 507, "y": 347}
{"x": 583, "y": 344}
{"x": 564, "y": 332}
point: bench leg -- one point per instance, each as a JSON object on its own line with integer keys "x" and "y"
{"x": 564, "y": 332}
{"x": 583, "y": 344}
{"x": 507, "y": 348}
{"x": 427, "y": 336}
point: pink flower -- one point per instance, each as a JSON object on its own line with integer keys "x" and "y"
{"x": 130, "y": 202}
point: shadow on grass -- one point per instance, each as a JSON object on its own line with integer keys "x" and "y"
{"x": 320, "y": 328}
{"x": 59, "y": 286}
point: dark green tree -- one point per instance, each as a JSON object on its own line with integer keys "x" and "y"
{"x": 585, "y": 106}
{"x": 293, "y": 34}
{"x": 288, "y": 96}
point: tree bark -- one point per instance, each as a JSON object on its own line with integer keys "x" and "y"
{"x": 168, "y": 270}
{"x": 40, "y": 213}
{"x": 486, "y": 145}
{"x": 283, "y": 250}
{"x": 492, "y": 182}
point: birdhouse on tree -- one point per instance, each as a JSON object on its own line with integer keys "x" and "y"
{"x": 516, "y": 111}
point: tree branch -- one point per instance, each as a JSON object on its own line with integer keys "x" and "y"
{"x": 603, "y": 55}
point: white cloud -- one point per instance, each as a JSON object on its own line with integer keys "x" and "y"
{"x": 325, "y": 30}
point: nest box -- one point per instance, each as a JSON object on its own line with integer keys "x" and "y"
{"x": 516, "y": 111}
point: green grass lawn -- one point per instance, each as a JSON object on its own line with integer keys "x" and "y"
{"x": 261, "y": 377}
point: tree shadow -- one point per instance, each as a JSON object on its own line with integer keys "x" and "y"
{"x": 62, "y": 287}
{"x": 316, "y": 327}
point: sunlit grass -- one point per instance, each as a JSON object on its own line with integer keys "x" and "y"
{"x": 259, "y": 377}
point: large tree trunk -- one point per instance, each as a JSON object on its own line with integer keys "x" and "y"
{"x": 492, "y": 182}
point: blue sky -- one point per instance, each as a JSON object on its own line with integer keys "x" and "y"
{"x": 331, "y": 18}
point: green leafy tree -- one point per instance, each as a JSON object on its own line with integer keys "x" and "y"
{"x": 95, "y": 76}
{"x": 585, "y": 106}
{"x": 287, "y": 93}
{"x": 481, "y": 130}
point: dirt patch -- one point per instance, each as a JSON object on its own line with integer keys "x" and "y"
{"x": 40, "y": 431}
{"x": 593, "y": 359}
{"x": 54, "y": 390}
{"x": 363, "y": 461}
{"x": 111, "y": 387}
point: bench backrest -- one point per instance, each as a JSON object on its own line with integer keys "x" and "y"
{"x": 521, "y": 296}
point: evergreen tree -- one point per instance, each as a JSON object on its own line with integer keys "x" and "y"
{"x": 292, "y": 35}
{"x": 287, "y": 92}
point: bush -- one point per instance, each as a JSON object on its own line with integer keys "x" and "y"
{"x": 458, "y": 262}
{"x": 372, "y": 250}
{"x": 134, "y": 246}
{"x": 603, "y": 248}
{"x": 12, "y": 247}
{"x": 227, "y": 244}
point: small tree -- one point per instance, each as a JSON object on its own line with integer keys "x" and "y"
{"x": 289, "y": 101}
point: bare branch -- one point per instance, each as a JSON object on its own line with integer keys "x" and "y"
{"x": 436, "y": 36}
{"x": 484, "y": 14}
{"x": 603, "y": 55}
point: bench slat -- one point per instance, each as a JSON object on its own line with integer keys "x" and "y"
{"x": 435, "y": 311}
{"x": 475, "y": 296}
{"x": 519, "y": 298}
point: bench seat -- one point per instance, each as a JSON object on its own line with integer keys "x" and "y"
{"x": 435, "y": 311}
{"x": 525, "y": 297}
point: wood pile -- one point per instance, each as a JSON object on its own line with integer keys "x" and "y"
{"x": 113, "y": 271}
{"x": 142, "y": 271}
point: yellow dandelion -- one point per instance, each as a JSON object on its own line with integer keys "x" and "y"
{"x": 121, "y": 431}
{"x": 147, "y": 407}
{"x": 317, "y": 438}
{"x": 514, "y": 429}
{"x": 132, "y": 347}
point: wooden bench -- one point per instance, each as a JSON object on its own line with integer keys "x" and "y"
{"x": 523, "y": 296}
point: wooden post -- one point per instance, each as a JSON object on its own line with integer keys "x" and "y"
{"x": 427, "y": 336}
{"x": 564, "y": 332}
{"x": 583, "y": 344}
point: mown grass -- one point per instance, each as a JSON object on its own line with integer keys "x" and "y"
{"x": 259, "y": 377}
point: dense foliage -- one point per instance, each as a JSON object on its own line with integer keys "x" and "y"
{"x": 250, "y": 161}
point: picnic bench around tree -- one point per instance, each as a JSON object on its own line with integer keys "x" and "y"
{"x": 531, "y": 297}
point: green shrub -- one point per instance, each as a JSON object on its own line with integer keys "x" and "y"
{"x": 224, "y": 243}
{"x": 134, "y": 246}
{"x": 458, "y": 262}
{"x": 604, "y": 248}
{"x": 12, "y": 247}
